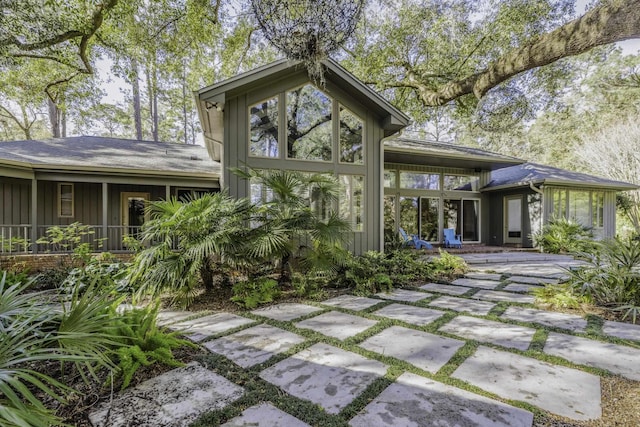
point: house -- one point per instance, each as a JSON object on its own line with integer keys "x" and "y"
{"x": 101, "y": 182}
{"x": 275, "y": 118}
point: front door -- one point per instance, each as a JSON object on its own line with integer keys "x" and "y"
{"x": 513, "y": 220}
{"x": 133, "y": 211}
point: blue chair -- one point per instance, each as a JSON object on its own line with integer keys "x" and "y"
{"x": 451, "y": 239}
{"x": 414, "y": 241}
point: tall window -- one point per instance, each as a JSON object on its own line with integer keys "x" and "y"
{"x": 352, "y": 200}
{"x": 597, "y": 210}
{"x": 65, "y": 200}
{"x": 351, "y": 144}
{"x": 584, "y": 207}
{"x": 263, "y": 119}
{"x": 309, "y": 131}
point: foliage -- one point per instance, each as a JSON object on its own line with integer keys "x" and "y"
{"x": 142, "y": 343}
{"x": 562, "y": 235}
{"x": 611, "y": 278}
{"x": 70, "y": 238}
{"x": 558, "y": 296}
{"x": 15, "y": 244}
{"x": 311, "y": 285}
{"x": 252, "y": 293}
{"x": 447, "y": 266}
{"x": 100, "y": 275}
{"x": 187, "y": 242}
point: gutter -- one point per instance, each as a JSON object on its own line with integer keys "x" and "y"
{"x": 536, "y": 189}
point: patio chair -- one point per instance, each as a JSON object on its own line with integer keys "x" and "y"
{"x": 414, "y": 241}
{"x": 451, "y": 239}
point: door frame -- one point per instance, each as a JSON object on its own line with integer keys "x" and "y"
{"x": 124, "y": 205}
{"x": 506, "y": 240}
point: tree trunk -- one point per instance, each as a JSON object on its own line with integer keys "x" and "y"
{"x": 54, "y": 118}
{"x": 184, "y": 102}
{"x": 614, "y": 21}
{"x": 137, "y": 113}
{"x": 26, "y": 128}
{"x": 285, "y": 271}
{"x": 206, "y": 275}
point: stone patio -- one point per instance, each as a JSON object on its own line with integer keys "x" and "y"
{"x": 351, "y": 302}
{"x": 621, "y": 330}
{"x": 446, "y": 289}
{"x": 570, "y": 322}
{"x": 476, "y": 283}
{"x": 337, "y": 325}
{"x": 504, "y": 296}
{"x": 404, "y": 295}
{"x": 483, "y": 330}
{"x": 264, "y": 415}
{"x": 463, "y": 304}
{"x": 286, "y": 311}
{"x": 203, "y": 327}
{"x": 407, "y": 313}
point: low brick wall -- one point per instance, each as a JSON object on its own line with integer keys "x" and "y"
{"x": 41, "y": 262}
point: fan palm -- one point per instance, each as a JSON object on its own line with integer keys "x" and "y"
{"x": 185, "y": 241}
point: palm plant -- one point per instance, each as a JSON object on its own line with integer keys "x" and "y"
{"x": 296, "y": 220}
{"x": 185, "y": 242}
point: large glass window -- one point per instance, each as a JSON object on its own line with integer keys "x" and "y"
{"x": 559, "y": 203}
{"x": 351, "y": 144}
{"x": 409, "y": 214}
{"x": 429, "y": 218}
{"x": 460, "y": 183}
{"x": 470, "y": 214}
{"x": 390, "y": 178}
{"x": 579, "y": 207}
{"x": 418, "y": 180}
{"x": 309, "y": 124}
{"x": 597, "y": 210}
{"x": 389, "y": 218}
{"x": 352, "y": 200}
{"x": 263, "y": 119}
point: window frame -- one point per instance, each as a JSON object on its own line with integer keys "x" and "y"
{"x": 60, "y": 200}
{"x": 357, "y": 227}
{"x": 280, "y": 101}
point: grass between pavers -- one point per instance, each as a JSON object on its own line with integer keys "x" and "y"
{"x": 258, "y": 390}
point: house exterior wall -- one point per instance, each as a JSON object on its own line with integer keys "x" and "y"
{"x": 531, "y": 215}
{"x": 15, "y": 201}
{"x": 235, "y": 153}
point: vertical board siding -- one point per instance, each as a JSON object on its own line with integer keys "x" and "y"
{"x": 15, "y": 203}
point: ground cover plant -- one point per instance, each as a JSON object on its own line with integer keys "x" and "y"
{"x": 563, "y": 235}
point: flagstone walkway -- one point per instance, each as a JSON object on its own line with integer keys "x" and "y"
{"x": 472, "y": 353}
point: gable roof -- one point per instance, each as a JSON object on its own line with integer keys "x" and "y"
{"x": 110, "y": 155}
{"x": 533, "y": 173}
{"x": 416, "y": 151}
{"x": 392, "y": 119}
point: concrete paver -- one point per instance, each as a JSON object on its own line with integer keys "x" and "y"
{"x": 254, "y": 345}
{"x": 264, "y": 415}
{"x": 325, "y": 375}
{"x": 532, "y": 280}
{"x": 415, "y": 401}
{"x": 560, "y": 390}
{"x": 483, "y": 330}
{"x": 446, "y": 289}
{"x": 404, "y": 295}
{"x": 337, "y": 325}
{"x": 559, "y": 320}
{"x": 537, "y": 269}
{"x": 504, "y": 296}
{"x": 166, "y": 317}
{"x": 622, "y": 330}
{"x": 422, "y": 349}
{"x": 483, "y": 276}
{"x": 476, "y": 283}
{"x": 407, "y": 313}
{"x": 351, "y": 302}
{"x": 521, "y": 287}
{"x": 175, "y": 398}
{"x": 201, "y": 328}
{"x": 463, "y": 304}
{"x": 286, "y": 311}
{"x": 618, "y": 359}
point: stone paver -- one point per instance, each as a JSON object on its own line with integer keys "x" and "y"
{"x": 325, "y": 375}
{"x": 203, "y": 327}
{"x": 521, "y": 287}
{"x": 415, "y": 401}
{"x": 618, "y": 359}
{"x": 483, "y": 276}
{"x": 533, "y": 280}
{"x": 463, "y": 304}
{"x": 351, "y": 302}
{"x": 499, "y": 333}
{"x": 476, "y": 283}
{"x": 407, "y": 313}
{"x": 445, "y": 289}
{"x": 286, "y": 311}
{"x": 173, "y": 399}
{"x": 264, "y": 415}
{"x": 547, "y": 269}
{"x": 166, "y": 317}
{"x": 404, "y": 295}
{"x": 422, "y": 349}
{"x": 563, "y": 391}
{"x": 559, "y": 320}
{"x": 625, "y": 331}
{"x": 337, "y": 325}
{"x": 504, "y": 296}
{"x": 254, "y": 345}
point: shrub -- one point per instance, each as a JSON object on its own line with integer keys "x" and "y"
{"x": 104, "y": 275}
{"x": 558, "y": 296}
{"x": 252, "y": 293}
{"x": 561, "y": 235}
{"x": 611, "y": 278}
{"x": 447, "y": 266}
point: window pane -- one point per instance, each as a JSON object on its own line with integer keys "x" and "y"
{"x": 597, "y": 209}
{"x": 66, "y": 200}
{"x": 409, "y": 214}
{"x": 352, "y": 200}
{"x": 389, "y": 218}
{"x": 429, "y": 219}
{"x": 452, "y": 215}
{"x": 308, "y": 124}
{"x": 390, "y": 178}
{"x": 351, "y": 146}
{"x": 425, "y": 181}
{"x": 263, "y": 118}
{"x": 579, "y": 207}
{"x": 559, "y": 203}
{"x": 460, "y": 183}
{"x": 470, "y": 214}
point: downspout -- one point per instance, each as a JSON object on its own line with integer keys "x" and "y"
{"x": 381, "y": 190}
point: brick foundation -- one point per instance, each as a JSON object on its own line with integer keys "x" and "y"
{"x": 38, "y": 263}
